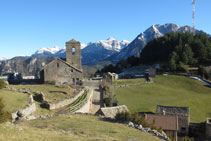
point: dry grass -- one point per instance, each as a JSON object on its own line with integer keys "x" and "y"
{"x": 52, "y": 93}
{"x": 13, "y": 100}
{"x": 71, "y": 128}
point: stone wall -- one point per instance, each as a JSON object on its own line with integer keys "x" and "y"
{"x": 62, "y": 103}
{"x": 24, "y": 112}
{"x": 208, "y": 128}
{"x": 181, "y": 112}
{"x": 112, "y": 111}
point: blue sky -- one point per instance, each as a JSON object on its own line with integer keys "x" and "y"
{"x": 27, "y": 25}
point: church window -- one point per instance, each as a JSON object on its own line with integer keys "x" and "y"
{"x": 73, "y": 51}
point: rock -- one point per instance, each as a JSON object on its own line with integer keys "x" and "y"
{"x": 20, "y": 129}
{"x": 140, "y": 127}
{"x": 30, "y": 117}
{"x": 130, "y": 124}
{"x": 31, "y": 100}
{"x": 136, "y": 126}
{"x": 19, "y": 114}
{"x": 42, "y": 96}
{"x": 146, "y": 129}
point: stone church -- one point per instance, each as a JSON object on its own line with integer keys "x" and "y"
{"x": 68, "y": 72}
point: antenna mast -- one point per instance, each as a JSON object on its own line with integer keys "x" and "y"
{"x": 193, "y": 2}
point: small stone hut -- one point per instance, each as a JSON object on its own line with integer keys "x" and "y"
{"x": 68, "y": 72}
{"x": 183, "y": 114}
{"x": 168, "y": 123}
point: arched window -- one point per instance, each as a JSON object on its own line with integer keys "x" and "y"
{"x": 73, "y": 51}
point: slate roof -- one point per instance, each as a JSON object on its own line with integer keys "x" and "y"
{"x": 112, "y": 111}
{"x": 172, "y": 110}
{"x": 58, "y": 59}
{"x": 166, "y": 122}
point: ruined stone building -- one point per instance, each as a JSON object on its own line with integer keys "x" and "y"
{"x": 69, "y": 72}
{"x": 183, "y": 114}
{"x": 168, "y": 123}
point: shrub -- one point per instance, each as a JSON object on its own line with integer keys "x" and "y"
{"x": 108, "y": 94}
{"x": 187, "y": 139}
{"x": 107, "y": 101}
{"x": 4, "y": 115}
{"x": 123, "y": 116}
{"x": 2, "y": 84}
{"x": 136, "y": 119}
{"x": 133, "y": 117}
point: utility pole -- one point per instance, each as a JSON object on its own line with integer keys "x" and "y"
{"x": 193, "y": 2}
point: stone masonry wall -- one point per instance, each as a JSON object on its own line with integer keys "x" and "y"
{"x": 64, "y": 102}
{"x": 28, "y": 110}
{"x": 58, "y": 72}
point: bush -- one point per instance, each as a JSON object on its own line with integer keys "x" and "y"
{"x": 108, "y": 94}
{"x": 123, "y": 116}
{"x": 4, "y": 115}
{"x": 136, "y": 119}
{"x": 2, "y": 84}
{"x": 187, "y": 139}
{"x": 107, "y": 101}
{"x": 133, "y": 117}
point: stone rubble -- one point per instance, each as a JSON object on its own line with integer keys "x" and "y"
{"x": 147, "y": 130}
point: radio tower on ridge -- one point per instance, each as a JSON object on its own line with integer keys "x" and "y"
{"x": 193, "y": 2}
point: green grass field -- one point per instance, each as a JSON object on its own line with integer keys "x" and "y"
{"x": 128, "y": 81}
{"x": 72, "y": 127}
{"x": 52, "y": 93}
{"x": 13, "y": 100}
{"x": 168, "y": 90}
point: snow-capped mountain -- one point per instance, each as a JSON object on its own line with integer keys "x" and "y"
{"x": 3, "y": 58}
{"x": 43, "y": 52}
{"x": 155, "y": 31}
{"x": 100, "y": 50}
{"x": 53, "y": 52}
{"x": 108, "y": 50}
{"x": 94, "y": 51}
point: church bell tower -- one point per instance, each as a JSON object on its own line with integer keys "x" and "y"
{"x": 73, "y": 53}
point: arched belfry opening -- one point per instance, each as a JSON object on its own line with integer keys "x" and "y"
{"x": 73, "y": 53}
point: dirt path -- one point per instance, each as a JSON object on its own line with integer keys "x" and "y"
{"x": 97, "y": 100}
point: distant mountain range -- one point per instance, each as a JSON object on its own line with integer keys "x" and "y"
{"x": 3, "y": 58}
{"x": 91, "y": 52}
{"x": 110, "y": 50}
{"x": 100, "y": 50}
{"x": 155, "y": 31}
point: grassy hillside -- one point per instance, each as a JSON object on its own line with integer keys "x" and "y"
{"x": 13, "y": 100}
{"x": 171, "y": 91}
{"x": 52, "y": 93}
{"x": 71, "y": 127}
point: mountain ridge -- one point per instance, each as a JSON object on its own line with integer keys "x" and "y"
{"x": 109, "y": 50}
{"x": 154, "y": 31}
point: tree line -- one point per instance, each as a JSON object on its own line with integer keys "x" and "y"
{"x": 174, "y": 51}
